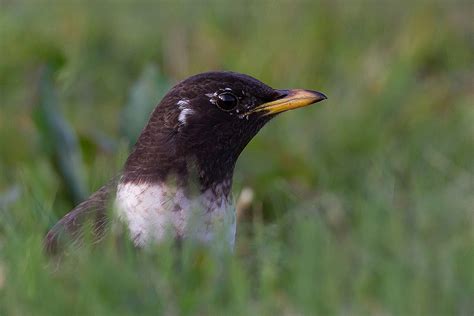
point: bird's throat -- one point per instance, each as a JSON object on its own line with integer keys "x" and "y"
{"x": 158, "y": 160}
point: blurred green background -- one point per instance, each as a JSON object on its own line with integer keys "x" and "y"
{"x": 363, "y": 204}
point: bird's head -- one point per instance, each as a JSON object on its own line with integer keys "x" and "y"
{"x": 204, "y": 123}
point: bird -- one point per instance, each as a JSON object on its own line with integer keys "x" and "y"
{"x": 177, "y": 181}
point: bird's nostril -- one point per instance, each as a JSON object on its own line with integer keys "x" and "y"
{"x": 280, "y": 94}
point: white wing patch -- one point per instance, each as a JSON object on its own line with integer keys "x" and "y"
{"x": 183, "y": 106}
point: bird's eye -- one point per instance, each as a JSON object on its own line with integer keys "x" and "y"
{"x": 227, "y": 101}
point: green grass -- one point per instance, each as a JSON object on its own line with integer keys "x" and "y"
{"x": 364, "y": 204}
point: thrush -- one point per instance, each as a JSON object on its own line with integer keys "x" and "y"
{"x": 177, "y": 180}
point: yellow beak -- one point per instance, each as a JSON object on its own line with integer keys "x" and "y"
{"x": 292, "y": 99}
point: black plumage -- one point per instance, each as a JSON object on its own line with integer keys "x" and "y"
{"x": 193, "y": 138}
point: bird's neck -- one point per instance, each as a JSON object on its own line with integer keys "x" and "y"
{"x": 161, "y": 159}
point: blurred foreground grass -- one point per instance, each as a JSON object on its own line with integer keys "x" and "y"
{"x": 364, "y": 204}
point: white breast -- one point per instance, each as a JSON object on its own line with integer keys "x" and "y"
{"x": 154, "y": 211}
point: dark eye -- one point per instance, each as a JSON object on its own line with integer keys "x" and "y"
{"x": 227, "y": 101}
